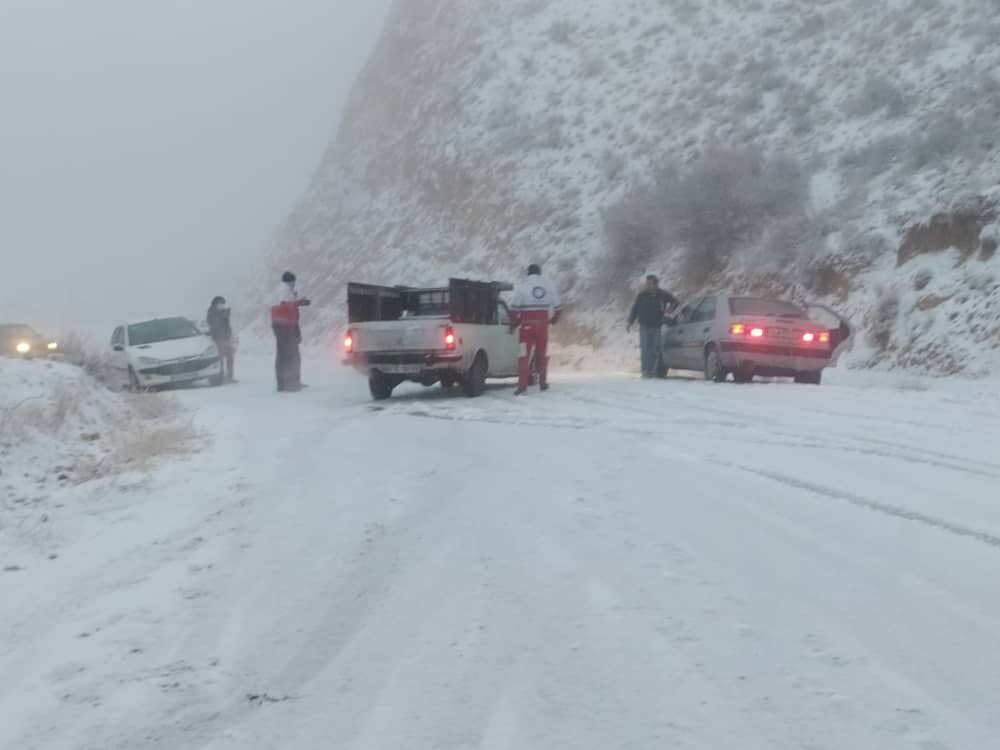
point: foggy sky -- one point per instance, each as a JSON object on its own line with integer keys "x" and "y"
{"x": 148, "y": 150}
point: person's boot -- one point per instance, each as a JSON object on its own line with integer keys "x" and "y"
{"x": 544, "y": 386}
{"x": 520, "y": 391}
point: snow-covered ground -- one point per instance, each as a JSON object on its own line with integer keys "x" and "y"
{"x": 614, "y": 564}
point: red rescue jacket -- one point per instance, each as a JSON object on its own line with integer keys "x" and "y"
{"x": 285, "y": 306}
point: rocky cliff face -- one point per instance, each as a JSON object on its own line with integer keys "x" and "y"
{"x": 847, "y": 151}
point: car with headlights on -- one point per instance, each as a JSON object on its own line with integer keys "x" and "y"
{"x": 161, "y": 352}
{"x": 20, "y": 340}
{"x": 746, "y": 336}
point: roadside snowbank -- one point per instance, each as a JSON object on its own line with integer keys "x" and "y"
{"x": 63, "y": 434}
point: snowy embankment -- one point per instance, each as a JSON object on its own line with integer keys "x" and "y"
{"x": 614, "y": 564}
{"x": 65, "y": 441}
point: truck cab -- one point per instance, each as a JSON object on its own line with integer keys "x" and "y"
{"x": 457, "y": 334}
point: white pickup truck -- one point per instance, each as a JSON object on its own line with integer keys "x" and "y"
{"x": 454, "y": 335}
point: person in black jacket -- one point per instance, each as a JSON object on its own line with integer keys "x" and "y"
{"x": 221, "y": 331}
{"x": 649, "y": 309}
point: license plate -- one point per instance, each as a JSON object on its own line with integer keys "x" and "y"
{"x": 399, "y": 369}
{"x": 779, "y": 333}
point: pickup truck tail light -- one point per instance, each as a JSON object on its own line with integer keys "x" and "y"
{"x": 450, "y": 341}
{"x": 808, "y": 337}
{"x": 756, "y": 333}
{"x": 349, "y": 342}
{"x": 824, "y": 337}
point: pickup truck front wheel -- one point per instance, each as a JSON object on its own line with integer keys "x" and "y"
{"x": 474, "y": 382}
{"x": 380, "y": 386}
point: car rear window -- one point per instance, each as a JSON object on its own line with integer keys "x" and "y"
{"x": 770, "y": 307}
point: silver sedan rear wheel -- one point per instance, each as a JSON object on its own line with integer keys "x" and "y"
{"x": 714, "y": 370}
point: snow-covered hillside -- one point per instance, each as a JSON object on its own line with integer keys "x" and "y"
{"x": 846, "y": 151}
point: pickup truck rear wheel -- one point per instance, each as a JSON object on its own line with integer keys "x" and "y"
{"x": 474, "y": 382}
{"x": 380, "y": 386}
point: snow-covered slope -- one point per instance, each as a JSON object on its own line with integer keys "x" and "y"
{"x": 65, "y": 440}
{"x": 749, "y": 144}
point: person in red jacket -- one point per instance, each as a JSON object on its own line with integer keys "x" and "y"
{"x": 287, "y": 334}
{"x": 534, "y": 306}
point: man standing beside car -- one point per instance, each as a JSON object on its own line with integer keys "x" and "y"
{"x": 287, "y": 334}
{"x": 649, "y": 309}
{"x": 221, "y": 331}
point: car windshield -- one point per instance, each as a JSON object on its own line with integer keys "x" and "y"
{"x": 774, "y": 308}
{"x": 17, "y": 331}
{"x": 162, "y": 329}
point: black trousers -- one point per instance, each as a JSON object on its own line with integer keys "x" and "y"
{"x": 287, "y": 360}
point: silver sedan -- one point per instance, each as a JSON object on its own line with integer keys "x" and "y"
{"x": 748, "y": 336}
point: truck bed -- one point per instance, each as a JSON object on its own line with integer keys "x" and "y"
{"x": 420, "y": 334}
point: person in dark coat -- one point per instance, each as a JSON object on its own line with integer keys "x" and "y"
{"x": 221, "y": 331}
{"x": 649, "y": 309}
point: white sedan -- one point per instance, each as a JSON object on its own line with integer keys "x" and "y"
{"x": 164, "y": 351}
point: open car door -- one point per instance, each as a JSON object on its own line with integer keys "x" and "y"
{"x": 841, "y": 330}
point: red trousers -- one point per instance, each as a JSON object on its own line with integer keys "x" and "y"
{"x": 534, "y": 339}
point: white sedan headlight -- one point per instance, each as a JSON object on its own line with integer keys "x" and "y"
{"x": 53, "y": 346}
{"x": 212, "y": 351}
{"x": 23, "y": 347}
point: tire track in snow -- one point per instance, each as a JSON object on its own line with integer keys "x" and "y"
{"x": 887, "y": 509}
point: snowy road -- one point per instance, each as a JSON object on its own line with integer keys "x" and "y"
{"x": 615, "y": 564}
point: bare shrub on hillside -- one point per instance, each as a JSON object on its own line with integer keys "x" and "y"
{"x": 982, "y": 135}
{"x": 882, "y": 319}
{"x": 612, "y": 163}
{"x": 868, "y": 247}
{"x": 874, "y": 158}
{"x": 151, "y": 428}
{"x": 903, "y": 23}
{"x": 748, "y": 102}
{"x": 788, "y": 239}
{"x": 528, "y": 8}
{"x": 879, "y": 95}
{"x": 941, "y": 139}
{"x": 81, "y": 351}
{"x": 686, "y": 11}
{"x": 810, "y": 25}
{"x": 718, "y": 205}
{"x": 593, "y": 66}
{"x": 138, "y": 445}
{"x": 561, "y": 32}
{"x": 633, "y": 235}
